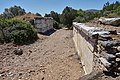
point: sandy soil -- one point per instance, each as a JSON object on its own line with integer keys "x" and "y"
{"x": 49, "y": 58}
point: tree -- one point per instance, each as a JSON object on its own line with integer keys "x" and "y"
{"x": 79, "y": 19}
{"x": 80, "y": 12}
{"x": 54, "y": 15}
{"x": 13, "y": 11}
{"x": 106, "y": 6}
{"x": 56, "y": 25}
{"x": 47, "y": 15}
{"x": 111, "y": 10}
{"x": 37, "y": 14}
{"x": 67, "y": 16}
{"x": 17, "y": 10}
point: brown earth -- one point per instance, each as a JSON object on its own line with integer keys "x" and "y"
{"x": 49, "y": 58}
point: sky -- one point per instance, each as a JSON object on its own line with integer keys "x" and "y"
{"x": 45, "y": 6}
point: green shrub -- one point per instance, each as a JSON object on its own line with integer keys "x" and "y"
{"x": 79, "y": 19}
{"x": 19, "y": 36}
{"x": 22, "y": 32}
{"x": 17, "y": 31}
{"x": 111, "y": 15}
{"x": 56, "y": 25}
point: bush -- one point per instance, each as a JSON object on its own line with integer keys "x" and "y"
{"x": 56, "y": 25}
{"x": 18, "y": 31}
{"x": 111, "y": 15}
{"x": 22, "y": 32}
{"x": 79, "y": 19}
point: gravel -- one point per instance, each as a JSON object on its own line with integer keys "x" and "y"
{"x": 49, "y": 58}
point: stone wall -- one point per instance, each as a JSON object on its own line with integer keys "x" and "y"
{"x": 84, "y": 50}
{"x": 96, "y": 48}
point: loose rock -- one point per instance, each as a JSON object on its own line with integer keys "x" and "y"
{"x": 109, "y": 57}
{"x": 118, "y": 48}
{"x": 118, "y": 59}
{"x": 105, "y": 62}
{"x": 18, "y": 51}
{"x": 118, "y": 55}
{"x": 30, "y": 51}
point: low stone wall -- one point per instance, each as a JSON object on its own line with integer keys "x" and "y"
{"x": 96, "y": 48}
{"x": 84, "y": 49}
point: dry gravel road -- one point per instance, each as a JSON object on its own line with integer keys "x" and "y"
{"x": 49, "y": 58}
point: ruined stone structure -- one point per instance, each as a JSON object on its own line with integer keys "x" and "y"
{"x": 43, "y": 24}
{"x": 96, "y": 48}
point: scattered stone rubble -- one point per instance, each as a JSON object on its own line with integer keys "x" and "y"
{"x": 107, "y": 50}
{"x": 110, "y": 55}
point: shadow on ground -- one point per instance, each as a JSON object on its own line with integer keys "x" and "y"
{"x": 100, "y": 75}
{"x": 49, "y": 32}
{"x": 112, "y": 74}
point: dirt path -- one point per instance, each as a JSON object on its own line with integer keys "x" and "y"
{"x": 50, "y": 58}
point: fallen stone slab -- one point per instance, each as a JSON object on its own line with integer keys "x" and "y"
{"x": 110, "y": 21}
